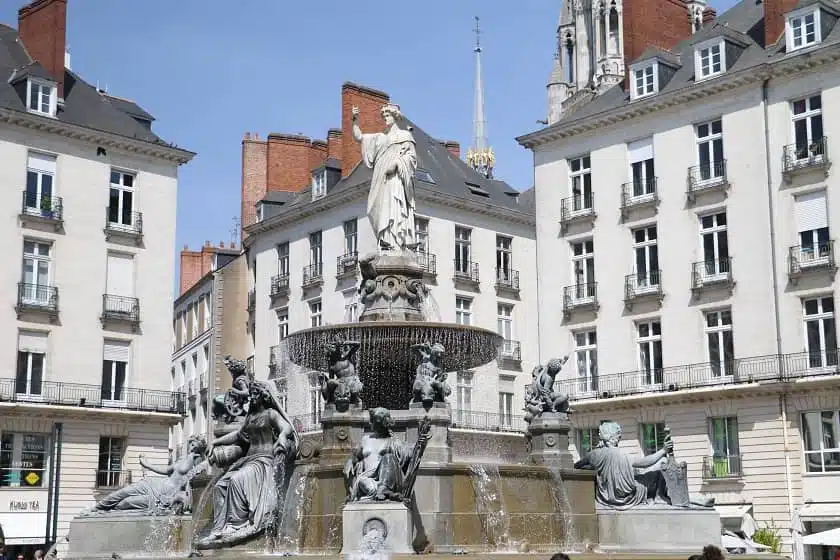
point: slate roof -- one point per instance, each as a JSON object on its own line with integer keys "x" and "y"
{"x": 83, "y": 104}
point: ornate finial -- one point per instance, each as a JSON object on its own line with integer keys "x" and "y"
{"x": 477, "y": 36}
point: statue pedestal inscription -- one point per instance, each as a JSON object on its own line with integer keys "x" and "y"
{"x": 376, "y": 527}
{"x": 101, "y": 537}
{"x": 549, "y": 437}
{"x": 658, "y": 528}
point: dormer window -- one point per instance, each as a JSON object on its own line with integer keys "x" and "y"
{"x": 709, "y": 59}
{"x": 803, "y": 29}
{"x": 644, "y": 80}
{"x": 41, "y": 97}
{"x": 260, "y": 211}
{"x": 319, "y": 184}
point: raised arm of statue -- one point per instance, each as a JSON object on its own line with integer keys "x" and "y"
{"x": 583, "y": 463}
{"x": 165, "y": 471}
{"x": 357, "y": 132}
{"x": 653, "y": 458}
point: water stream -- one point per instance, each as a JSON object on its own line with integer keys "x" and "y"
{"x": 562, "y": 505}
{"x": 294, "y": 512}
{"x": 490, "y": 505}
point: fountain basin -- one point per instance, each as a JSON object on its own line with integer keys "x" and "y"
{"x": 386, "y": 361}
{"x": 130, "y": 535}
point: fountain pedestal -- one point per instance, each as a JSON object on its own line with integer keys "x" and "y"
{"x": 342, "y": 431}
{"x": 657, "y": 529}
{"x": 549, "y": 437}
{"x": 392, "y": 287}
{"x": 438, "y": 449}
{"x": 103, "y": 536}
{"x": 369, "y": 527}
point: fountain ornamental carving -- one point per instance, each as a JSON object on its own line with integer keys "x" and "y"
{"x": 540, "y": 396}
{"x": 232, "y": 405}
{"x": 430, "y": 384}
{"x": 341, "y": 386}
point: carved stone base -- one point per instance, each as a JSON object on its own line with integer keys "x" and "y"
{"x": 391, "y": 519}
{"x": 549, "y": 435}
{"x": 438, "y": 449}
{"x": 341, "y": 432}
{"x": 658, "y": 529}
{"x": 392, "y": 287}
{"x": 106, "y": 535}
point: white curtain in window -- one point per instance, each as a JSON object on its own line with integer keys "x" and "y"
{"x": 811, "y": 211}
{"x": 31, "y": 341}
{"x": 116, "y": 351}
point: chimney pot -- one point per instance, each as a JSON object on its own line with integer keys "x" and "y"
{"x": 221, "y": 244}
{"x": 207, "y": 243}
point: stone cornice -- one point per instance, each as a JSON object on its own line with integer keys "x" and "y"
{"x": 433, "y": 196}
{"x": 94, "y": 136}
{"x": 687, "y": 94}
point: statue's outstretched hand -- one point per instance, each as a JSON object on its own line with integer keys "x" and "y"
{"x": 355, "y": 112}
{"x": 669, "y": 445}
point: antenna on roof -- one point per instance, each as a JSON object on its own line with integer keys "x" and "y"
{"x": 234, "y": 230}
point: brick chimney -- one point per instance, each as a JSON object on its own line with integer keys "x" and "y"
{"x": 288, "y": 162}
{"x": 709, "y": 15}
{"x": 254, "y": 181}
{"x": 453, "y": 147}
{"x": 659, "y": 23}
{"x": 774, "y": 19}
{"x": 318, "y": 153}
{"x": 334, "y": 139}
{"x": 370, "y": 102}
{"x": 195, "y": 264}
{"x": 42, "y": 26}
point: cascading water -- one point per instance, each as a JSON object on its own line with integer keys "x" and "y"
{"x": 295, "y": 511}
{"x": 371, "y": 547}
{"x": 490, "y": 505}
{"x": 562, "y": 505}
{"x": 430, "y": 308}
{"x": 163, "y": 535}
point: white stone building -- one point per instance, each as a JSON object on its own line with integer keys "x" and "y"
{"x": 686, "y": 259}
{"x": 477, "y": 246}
{"x": 88, "y": 196}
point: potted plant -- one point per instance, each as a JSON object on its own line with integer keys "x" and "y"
{"x": 46, "y": 207}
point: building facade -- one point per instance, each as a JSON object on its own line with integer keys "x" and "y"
{"x": 476, "y": 244}
{"x": 88, "y": 196}
{"x": 209, "y": 323}
{"x": 686, "y": 259}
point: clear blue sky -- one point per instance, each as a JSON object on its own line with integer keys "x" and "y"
{"x": 209, "y": 71}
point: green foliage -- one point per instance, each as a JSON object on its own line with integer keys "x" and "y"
{"x": 769, "y": 536}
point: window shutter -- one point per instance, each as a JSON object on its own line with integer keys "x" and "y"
{"x": 41, "y": 162}
{"x": 811, "y": 212}
{"x": 30, "y": 341}
{"x": 116, "y": 351}
{"x": 640, "y": 150}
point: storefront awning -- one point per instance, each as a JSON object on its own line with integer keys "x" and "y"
{"x": 733, "y": 511}
{"x": 829, "y": 511}
{"x": 826, "y": 538}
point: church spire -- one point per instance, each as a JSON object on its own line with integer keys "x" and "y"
{"x": 480, "y": 155}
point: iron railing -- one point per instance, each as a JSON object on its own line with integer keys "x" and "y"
{"x": 707, "y": 176}
{"x": 577, "y": 207}
{"x": 488, "y": 421}
{"x": 815, "y": 257}
{"x": 466, "y": 270}
{"x": 507, "y": 279}
{"x": 120, "y": 308}
{"x": 711, "y": 272}
{"x": 36, "y": 297}
{"x": 45, "y": 207}
{"x": 643, "y": 285}
{"x": 511, "y": 350}
{"x": 115, "y": 222}
{"x": 428, "y": 261}
{"x": 279, "y": 285}
{"x": 580, "y": 295}
{"x": 92, "y": 396}
{"x": 112, "y": 479}
{"x": 803, "y": 156}
{"x": 347, "y": 264}
{"x": 635, "y": 193}
{"x": 313, "y": 274}
{"x": 722, "y": 466}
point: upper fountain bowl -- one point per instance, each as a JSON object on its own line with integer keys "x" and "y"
{"x": 386, "y": 364}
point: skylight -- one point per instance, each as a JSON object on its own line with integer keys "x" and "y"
{"x": 423, "y": 175}
{"x": 477, "y": 189}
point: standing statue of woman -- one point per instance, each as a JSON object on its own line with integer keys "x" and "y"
{"x": 245, "y": 499}
{"x": 392, "y": 155}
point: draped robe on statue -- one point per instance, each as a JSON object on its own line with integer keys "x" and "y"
{"x": 616, "y": 484}
{"x": 382, "y": 478}
{"x": 393, "y": 158}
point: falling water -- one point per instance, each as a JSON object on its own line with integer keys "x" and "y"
{"x": 562, "y": 505}
{"x": 490, "y": 505}
{"x": 371, "y": 547}
{"x": 282, "y": 470}
{"x": 295, "y": 511}
{"x": 202, "y": 504}
{"x": 430, "y": 308}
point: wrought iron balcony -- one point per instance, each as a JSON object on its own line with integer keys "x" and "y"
{"x": 347, "y": 265}
{"x": 577, "y": 208}
{"x": 507, "y": 280}
{"x": 43, "y": 209}
{"x": 313, "y": 275}
{"x": 37, "y": 299}
{"x": 60, "y": 393}
{"x": 802, "y": 260}
{"x": 707, "y": 177}
{"x": 722, "y": 467}
{"x": 510, "y": 351}
{"x": 429, "y": 263}
{"x": 801, "y": 157}
{"x": 638, "y": 287}
{"x": 120, "y": 309}
{"x": 712, "y": 273}
{"x": 580, "y": 297}
{"x": 638, "y": 194}
{"x": 280, "y": 285}
{"x": 466, "y": 271}
{"x": 112, "y": 479}
{"x": 128, "y": 225}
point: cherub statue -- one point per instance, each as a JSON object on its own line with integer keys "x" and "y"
{"x": 533, "y": 403}
{"x": 233, "y": 404}
{"x": 541, "y": 396}
{"x": 430, "y": 384}
{"x": 341, "y": 386}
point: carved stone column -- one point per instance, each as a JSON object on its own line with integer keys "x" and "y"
{"x": 549, "y": 437}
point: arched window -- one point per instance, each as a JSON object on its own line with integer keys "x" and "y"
{"x": 602, "y": 30}
{"x": 613, "y": 39}
{"x": 570, "y": 59}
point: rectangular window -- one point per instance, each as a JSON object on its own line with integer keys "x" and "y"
{"x": 351, "y": 306}
{"x": 504, "y": 258}
{"x": 205, "y": 364}
{"x": 803, "y": 30}
{"x": 41, "y": 98}
{"x": 351, "y": 241}
{"x": 653, "y": 437}
{"x": 649, "y": 341}
{"x": 40, "y": 183}
{"x": 586, "y": 359}
{"x": 207, "y": 312}
{"x": 713, "y": 233}
{"x": 111, "y": 450}
{"x": 710, "y": 150}
{"x": 580, "y": 178}
{"x": 315, "y": 254}
{"x": 319, "y": 184}
{"x": 641, "y": 167}
{"x": 812, "y": 223}
{"x": 820, "y": 333}
{"x": 463, "y": 311}
{"x": 282, "y": 392}
{"x": 36, "y": 272}
{"x": 463, "y": 242}
{"x": 646, "y": 253}
{"x": 283, "y": 322}
{"x": 283, "y": 259}
{"x": 316, "y": 404}
{"x": 31, "y": 363}
{"x": 505, "y": 409}
{"x": 421, "y": 230}
{"x": 121, "y": 201}
{"x": 808, "y": 127}
{"x": 505, "y": 327}
{"x": 711, "y": 60}
{"x": 587, "y": 440}
{"x": 726, "y": 456}
{"x": 719, "y": 342}
{"x": 645, "y": 81}
{"x": 115, "y": 358}
{"x": 583, "y": 269}
{"x": 463, "y": 394}
{"x": 23, "y": 459}
{"x": 119, "y": 280}
{"x": 315, "y": 313}
{"x": 820, "y": 432}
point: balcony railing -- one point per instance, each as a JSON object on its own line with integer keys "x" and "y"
{"x": 580, "y": 207}
{"x": 112, "y": 479}
{"x": 510, "y": 350}
{"x": 782, "y": 368}
{"x": 815, "y": 257}
{"x": 313, "y": 274}
{"x": 93, "y": 396}
{"x": 347, "y": 264}
{"x": 44, "y": 208}
{"x": 466, "y": 271}
{"x": 488, "y": 421}
{"x": 720, "y": 467}
{"x": 279, "y": 285}
{"x": 710, "y": 273}
{"x": 37, "y": 298}
{"x": 120, "y": 309}
{"x": 638, "y": 193}
{"x": 580, "y": 296}
{"x": 798, "y": 157}
{"x": 129, "y": 224}
{"x": 643, "y": 286}
{"x": 507, "y": 279}
{"x": 707, "y": 177}
{"x": 429, "y": 263}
